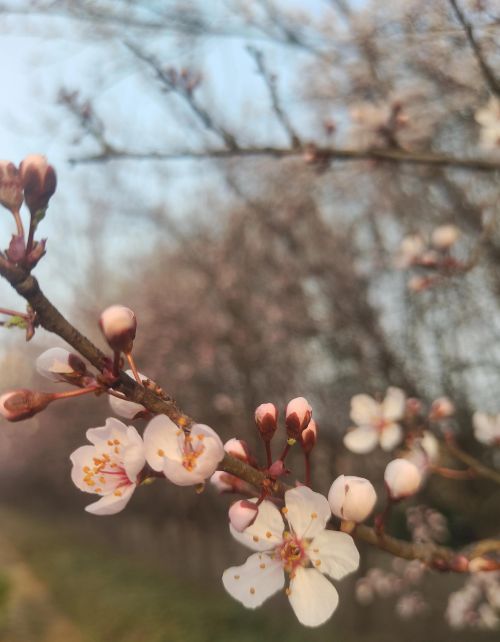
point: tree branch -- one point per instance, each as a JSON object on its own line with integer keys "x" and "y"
{"x": 320, "y": 154}
{"x": 51, "y": 319}
{"x": 489, "y": 76}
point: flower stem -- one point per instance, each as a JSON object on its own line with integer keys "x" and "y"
{"x": 268, "y": 453}
{"x": 13, "y": 313}
{"x": 19, "y": 223}
{"x": 307, "y": 461}
{"x": 75, "y": 393}
{"x": 133, "y": 367}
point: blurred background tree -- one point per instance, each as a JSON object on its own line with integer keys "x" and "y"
{"x": 241, "y": 174}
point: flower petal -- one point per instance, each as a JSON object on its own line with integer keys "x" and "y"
{"x": 312, "y": 597}
{"x": 113, "y": 429}
{"x": 125, "y": 408}
{"x": 267, "y": 530}
{"x": 161, "y": 440}
{"x": 112, "y": 503}
{"x": 391, "y": 436}
{"x": 365, "y": 410}
{"x": 361, "y": 440}
{"x": 176, "y": 473}
{"x": 393, "y": 406}
{"x": 336, "y": 553}
{"x": 133, "y": 456}
{"x": 255, "y": 581}
{"x": 80, "y": 458}
{"x": 307, "y": 512}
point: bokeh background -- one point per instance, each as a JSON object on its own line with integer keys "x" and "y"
{"x": 254, "y": 278}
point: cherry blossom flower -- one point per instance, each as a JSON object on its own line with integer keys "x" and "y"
{"x": 125, "y": 408}
{"x": 300, "y": 548}
{"x": 486, "y": 428}
{"x": 377, "y": 422}
{"x": 410, "y": 250}
{"x": 352, "y": 498}
{"x": 445, "y": 236}
{"x": 110, "y": 467}
{"x": 488, "y": 118}
{"x": 185, "y": 459}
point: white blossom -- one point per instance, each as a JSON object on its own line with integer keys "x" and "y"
{"x": 488, "y": 118}
{"x": 377, "y": 422}
{"x": 185, "y": 459}
{"x": 110, "y": 466}
{"x": 300, "y": 549}
{"x": 486, "y": 428}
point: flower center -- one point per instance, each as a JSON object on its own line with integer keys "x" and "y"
{"x": 191, "y": 450}
{"x": 292, "y": 552}
{"x": 107, "y": 472}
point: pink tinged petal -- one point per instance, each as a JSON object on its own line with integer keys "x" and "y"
{"x": 161, "y": 439}
{"x": 255, "y": 581}
{"x": 312, "y": 597}
{"x": 112, "y": 503}
{"x": 133, "y": 455}
{"x": 113, "y": 429}
{"x": 390, "y": 437}
{"x": 334, "y": 553}
{"x": 307, "y": 512}
{"x": 365, "y": 410}
{"x": 393, "y": 406}
{"x": 267, "y": 530}
{"x": 80, "y": 458}
{"x": 361, "y": 440}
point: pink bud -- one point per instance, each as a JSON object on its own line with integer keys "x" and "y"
{"x": 17, "y": 405}
{"x": 298, "y": 415}
{"x": 119, "y": 325}
{"x": 402, "y": 478}
{"x": 242, "y": 514}
{"x": 309, "y": 437}
{"x": 11, "y": 191}
{"x": 227, "y": 483}
{"x": 266, "y": 418}
{"x": 413, "y": 407}
{"x": 238, "y": 448}
{"x": 39, "y": 182}
{"x": 277, "y": 469}
{"x": 441, "y": 408}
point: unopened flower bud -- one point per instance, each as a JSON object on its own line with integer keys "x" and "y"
{"x": 444, "y": 236}
{"x": 266, "y": 418}
{"x": 242, "y": 514}
{"x": 17, "y": 405}
{"x": 277, "y": 469}
{"x": 298, "y": 415}
{"x": 238, "y": 448}
{"x": 39, "y": 182}
{"x": 58, "y": 364}
{"x": 309, "y": 437}
{"x": 441, "y": 408}
{"x": 413, "y": 407}
{"x": 11, "y": 191}
{"x": 119, "y": 325}
{"x": 352, "y": 498}
{"x": 402, "y": 478}
{"x": 226, "y": 483}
